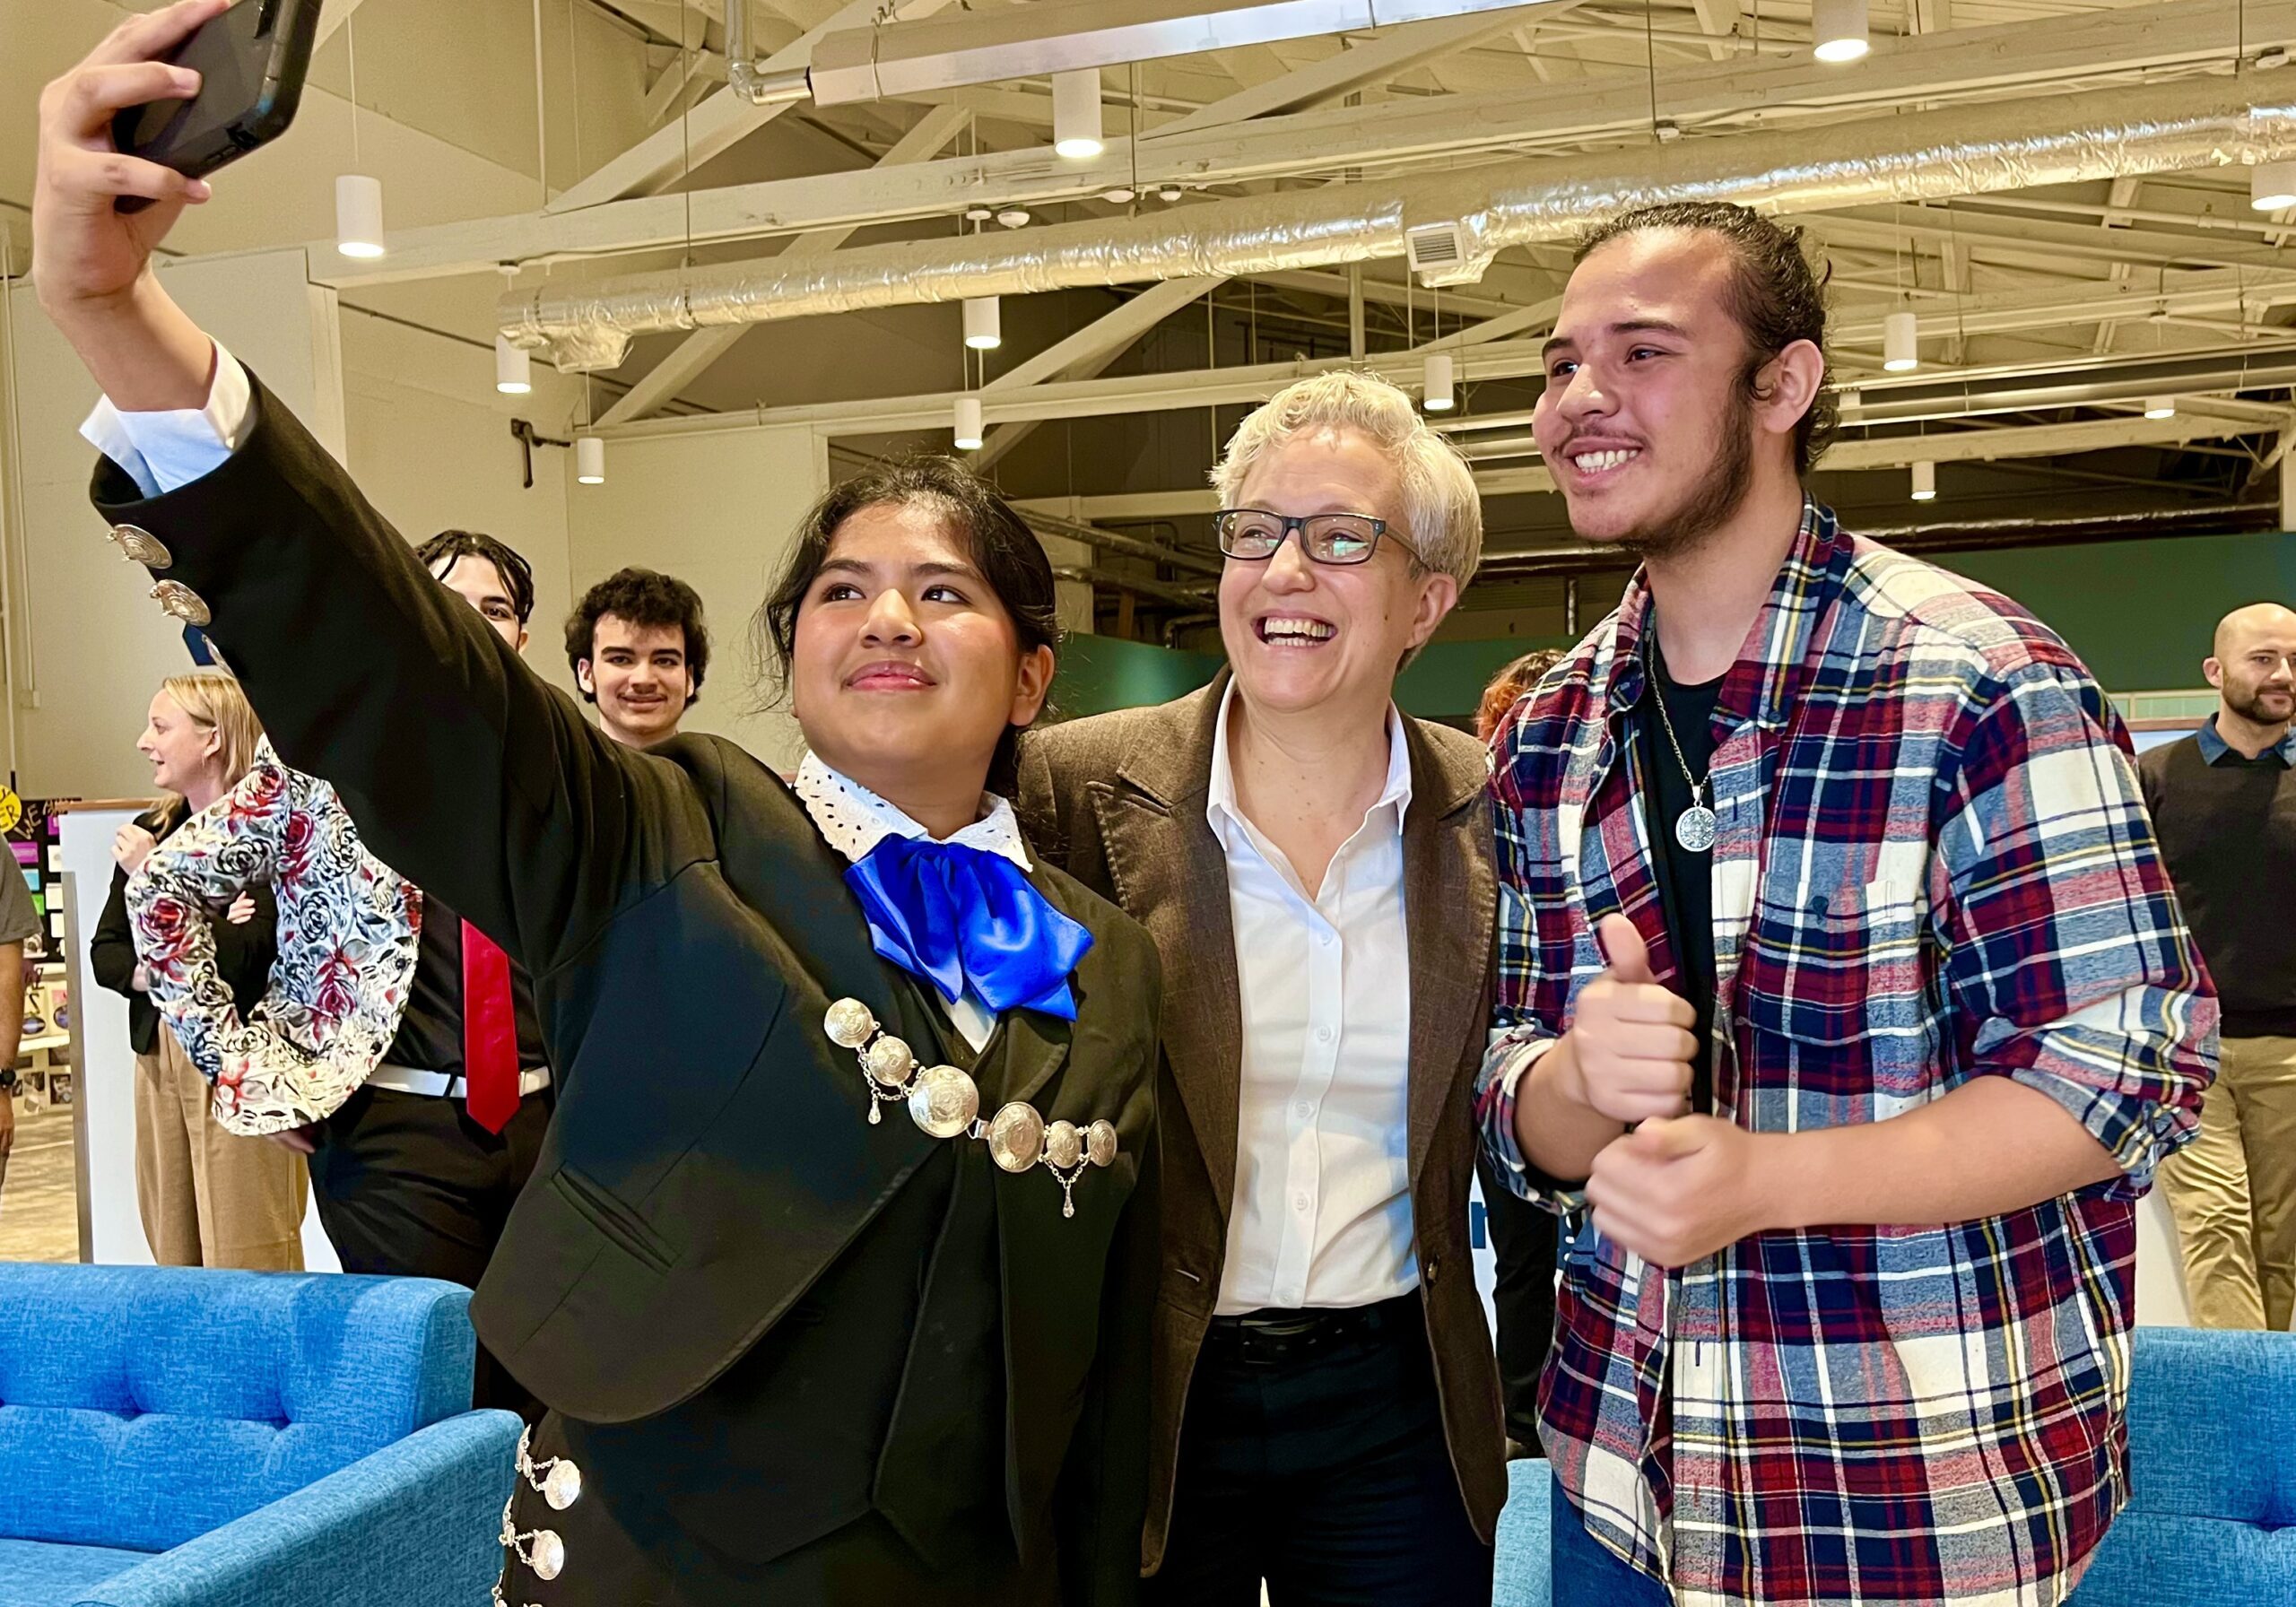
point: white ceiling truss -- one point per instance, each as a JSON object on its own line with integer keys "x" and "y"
{"x": 2042, "y": 304}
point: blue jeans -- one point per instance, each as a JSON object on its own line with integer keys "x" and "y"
{"x": 1585, "y": 1575}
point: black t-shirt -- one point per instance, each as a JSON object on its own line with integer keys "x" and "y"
{"x": 1685, "y": 879}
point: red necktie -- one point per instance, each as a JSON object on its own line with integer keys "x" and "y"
{"x": 490, "y": 1032}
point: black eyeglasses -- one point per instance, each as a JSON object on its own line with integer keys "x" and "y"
{"x": 1254, "y": 534}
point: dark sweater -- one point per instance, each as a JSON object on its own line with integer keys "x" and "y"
{"x": 244, "y": 951}
{"x": 2228, "y": 834}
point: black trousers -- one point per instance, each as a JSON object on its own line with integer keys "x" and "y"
{"x": 1523, "y": 1241}
{"x": 408, "y": 1185}
{"x": 1327, "y": 1476}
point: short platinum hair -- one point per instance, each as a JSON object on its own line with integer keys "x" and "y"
{"x": 1440, "y": 503}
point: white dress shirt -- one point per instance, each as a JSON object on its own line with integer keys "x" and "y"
{"x": 1323, "y": 1172}
{"x": 164, "y": 451}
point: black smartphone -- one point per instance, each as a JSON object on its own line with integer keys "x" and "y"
{"x": 251, "y": 62}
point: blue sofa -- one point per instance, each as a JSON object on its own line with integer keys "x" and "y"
{"x": 2211, "y": 1520}
{"x": 172, "y": 1436}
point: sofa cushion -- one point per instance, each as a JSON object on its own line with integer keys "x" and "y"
{"x": 2212, "y": 1416}
{"x": 36, "y": 1573}
{"x": 2149, "y": 1560}
{"x": 142, "y": 1406}
{"x": 1521, "y": 1571}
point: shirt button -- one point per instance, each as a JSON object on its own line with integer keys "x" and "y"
{"x": 1323, "y": 1035}
{"x": 1299, "y": 1202}
{"x": 1324, "y": 938}
{"x": 1307, "y": 1109}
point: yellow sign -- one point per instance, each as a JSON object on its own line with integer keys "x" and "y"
{"x": 12, "y": 809}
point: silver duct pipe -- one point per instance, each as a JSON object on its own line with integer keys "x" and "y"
{"x": 1131, "y": 546}
{"x": 1465, "y": 217}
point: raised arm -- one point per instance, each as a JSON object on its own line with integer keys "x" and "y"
{"x": 466, "y": 771}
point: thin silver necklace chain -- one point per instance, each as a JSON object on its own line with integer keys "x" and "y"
{"x": 1695, "y": 827}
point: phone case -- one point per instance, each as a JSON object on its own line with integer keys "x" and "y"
{"x": 253, "y": 60}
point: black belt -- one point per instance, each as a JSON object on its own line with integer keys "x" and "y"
{"x": 1273, "y": 1338}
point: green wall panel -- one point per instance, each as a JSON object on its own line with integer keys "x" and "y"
{"x": 2139, "y": 613}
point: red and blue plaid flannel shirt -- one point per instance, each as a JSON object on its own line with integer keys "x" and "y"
{"x": 1934, "y": 865}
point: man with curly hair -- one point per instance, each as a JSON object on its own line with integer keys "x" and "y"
{"x": 638, "y": 650}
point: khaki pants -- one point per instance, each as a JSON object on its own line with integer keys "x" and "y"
{"x": 2234, "y": 1190}
{"x": 209, "y": 1197}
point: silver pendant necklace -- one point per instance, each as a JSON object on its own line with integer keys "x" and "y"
{"x": 1695, "y": 827}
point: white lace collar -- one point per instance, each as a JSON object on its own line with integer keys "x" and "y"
{"x": 853, "y": 819}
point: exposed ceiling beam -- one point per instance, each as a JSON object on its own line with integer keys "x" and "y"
{"x": 1084, "y": 354}
{"x": 715, "y": 126}
{"x": 899, "y": 57}
{"x": 695, "y": 353}
{"x": 1369, "y": 62}
{"x": 1389, "y": 292}
{"x": 1539, "y": 315}
{"x": 2051, "y": 52}
{"x": 333, "y": 15}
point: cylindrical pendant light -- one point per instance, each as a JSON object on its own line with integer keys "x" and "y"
{"x": 1436, "y": 383}
{"x": 358, "y": 215}
{"x": 1838, "y": 29}
{"x": 1924, "y": 483}
{"x": 968, "y": 424}
{"x": 513, "y": 369}
{"x": 1901, "y": 342}
{"x": 984, "y": 325}
{"x": 1076, "y": 113}
{"x": 2272, "y": 185}
{"x": 2159, "y": 407}
{"x": 589, "y": 460}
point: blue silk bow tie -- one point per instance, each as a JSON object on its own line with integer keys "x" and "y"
{"x": 961, "y": 917}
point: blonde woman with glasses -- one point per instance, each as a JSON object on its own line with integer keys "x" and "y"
{"x": 207, "y": 1197}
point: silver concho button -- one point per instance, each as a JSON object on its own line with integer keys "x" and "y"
{"x": 1016, "y": 1137}
{"x": 139, "y": 546}
{"x": 1063, "y": 1146}
{"x": 180, "y": 602}
{"x": 549, "y": 1554}
{"x": 849, "y": 1023}
{"x": 564, "y": 1486}
{"x": 1100, "y": 1142}
{"x": 944, "y": 1102}
{"x": 889, "y": 1060}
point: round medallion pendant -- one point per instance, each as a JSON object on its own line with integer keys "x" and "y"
{"x": 1016, "y": 1137}
{"x": 944, "y": 1102}
{"x": 849, "y": 1023}
{"x": 1064, "y": 1145}
{"x": 889, "y": 1060}
{"x": 1694, "y": 829}
{"x": 1100, "y": 1142}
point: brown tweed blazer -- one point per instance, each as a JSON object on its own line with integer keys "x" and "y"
{"x": 1117, "y": 802}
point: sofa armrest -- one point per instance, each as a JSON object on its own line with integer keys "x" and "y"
{"x": 414, "y": 1524}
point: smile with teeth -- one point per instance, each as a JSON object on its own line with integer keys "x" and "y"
{"x": 1594, "y": 463}
{"x": 1295, "y": 633}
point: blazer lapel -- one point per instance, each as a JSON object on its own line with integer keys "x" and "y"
{"x": 1451, "y": 904}
{"x": 1171, "y": 876}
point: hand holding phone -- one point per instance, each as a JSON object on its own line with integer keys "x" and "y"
{"x": 251, "y": 61}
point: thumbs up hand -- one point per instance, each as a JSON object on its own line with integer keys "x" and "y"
{"x": 1630, "y": 1040}
{"x": 1674, "y": 1191}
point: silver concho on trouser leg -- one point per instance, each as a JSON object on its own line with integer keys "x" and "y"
{"x": 559, "y": 1482}
{"x": 945, "y": 1103}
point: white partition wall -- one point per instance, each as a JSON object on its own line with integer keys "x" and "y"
{"x": 105, "y": 1096}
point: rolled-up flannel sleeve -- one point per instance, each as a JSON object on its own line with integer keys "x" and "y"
{"x": 2067, "y": 960}
{"x": 1519, "y": 1034}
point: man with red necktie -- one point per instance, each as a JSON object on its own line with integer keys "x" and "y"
{"x": 417, "y": 1172}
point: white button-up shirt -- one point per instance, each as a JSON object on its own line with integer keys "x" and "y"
{"x": 1323, "y": 1213}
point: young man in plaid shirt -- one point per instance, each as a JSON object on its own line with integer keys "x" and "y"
{"x": 1844, "y": 985}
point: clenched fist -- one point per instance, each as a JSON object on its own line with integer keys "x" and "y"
{"x": 1630, "y": 1040}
